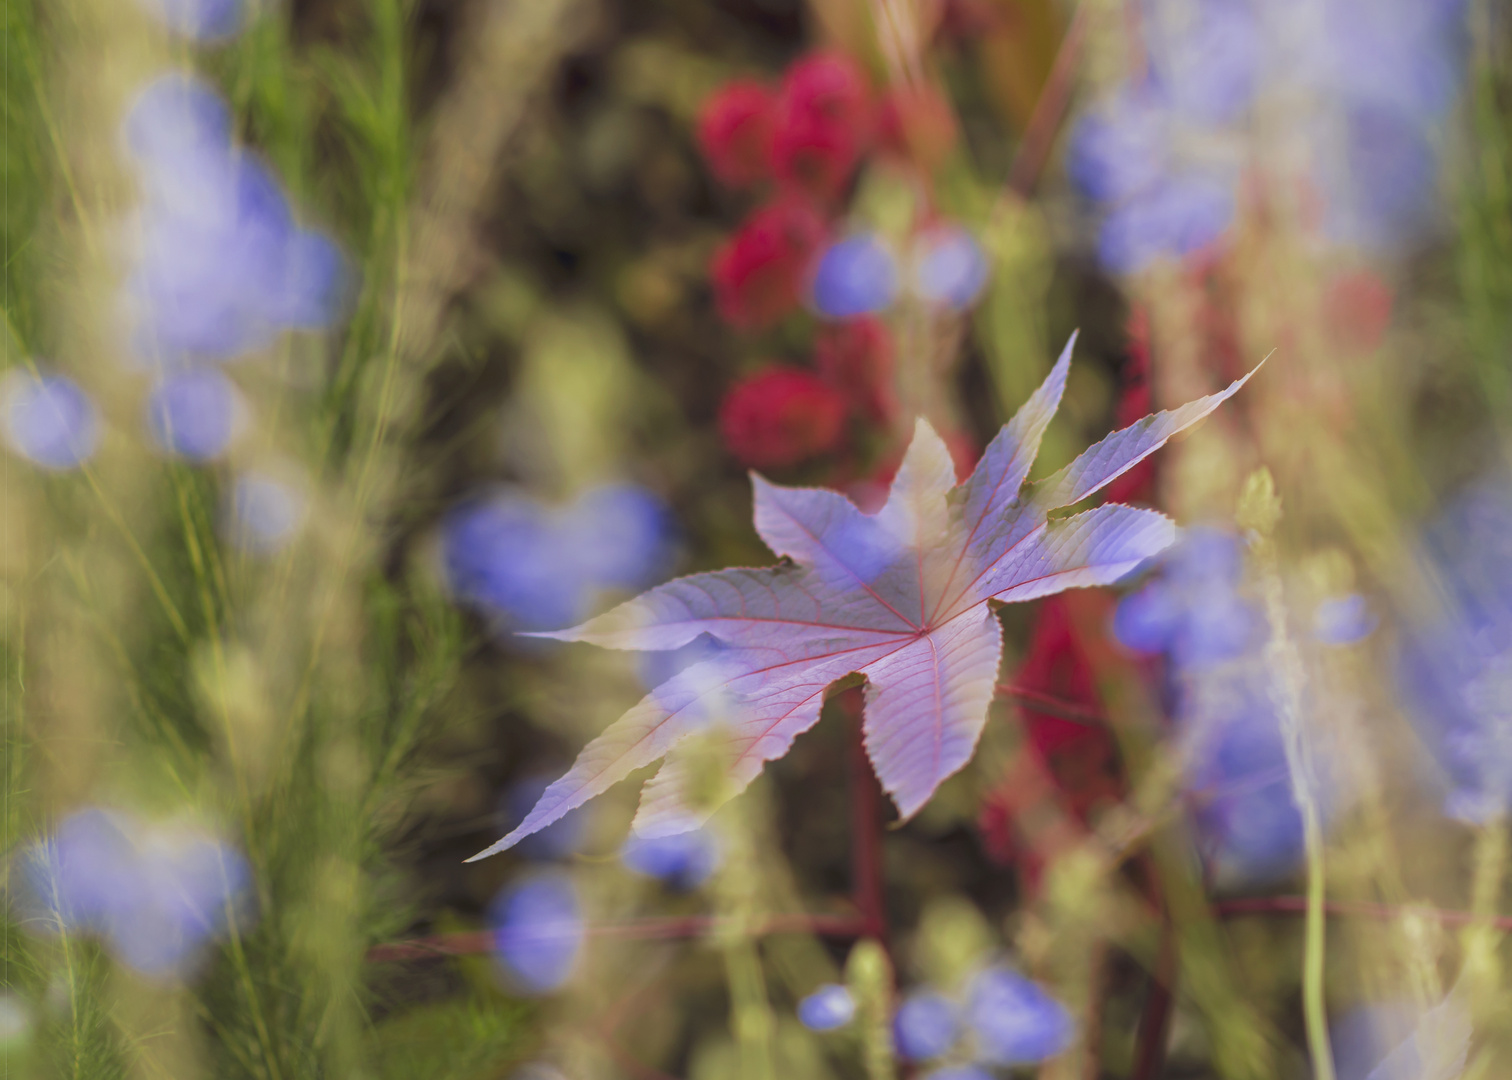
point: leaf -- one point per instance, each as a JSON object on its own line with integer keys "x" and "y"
{"x": 903, "y": 597}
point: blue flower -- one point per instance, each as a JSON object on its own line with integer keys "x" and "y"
{"x": 538, "y": 932}
{"x": 48, "y": 420}
{"x": 219, "y": 268}
{"x": 194, "y": 414}
{"x": 683, "y": 860}
{"x": 1206, "y": 58}
{"x": 855, "y": 276}
{"x": 948, "y": 268}
{"x": 202, "y": 20}
{"x": 827, "y": 1008}
{"x": 263, "y": 512}
{"x": 1343, "y": 620}
{"x": 535, "y": 567}
{"x": 925, "y": 1026}
{"x": 1455, "y": 663}
{"x": 1192, "y": 610}
{"x": 1182, "y": 213}
{"x": 1015, "y": 1021}
{"x": 157, "y": 894}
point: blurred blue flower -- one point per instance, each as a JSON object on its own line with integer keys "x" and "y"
{"x": 1120, "y": 146}
{"x": 827, "y": 1008}
{"x": 1015, "y": 1021}
{"x": 925, "y": 1026}
{"x": 48, "y": 419}
{"x": 1456, "y": 662}
{"x": 1192, "y": 609}
{"x": 623, "y": 535}
{"x": 202, "y": 20}
{"x": 538, "y": 932}
{"x": 219, "y": 267}
{"x": 1193, "y": 612}
{"x": 194, "y": 414}
{"x": 1205, "y": 57}
{"x": 263, "y": 512}
{"x": 1182, "y": 213}
{"x": 535, "y": 567}
{"x": 1343, "y": 620}
{"x": 682, "y": 860}
{"x": 855, "y": 276}
{"x": 1397, "y": 1041}
{"x": 948, "y": 267}
{"x": 563, "y": 837}
{"x": 156, "y": 894}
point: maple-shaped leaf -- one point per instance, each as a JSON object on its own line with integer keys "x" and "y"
{"x": 903, "y": 597}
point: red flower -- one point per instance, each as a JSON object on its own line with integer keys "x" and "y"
{"x": 856, "y": 358}
{"x": 735, "y": 132}
{"x": 917, "y": 124}
{"x": 758, "y": 272}
{"x": 781, "y": 416}
{"x": 824, "y": 124}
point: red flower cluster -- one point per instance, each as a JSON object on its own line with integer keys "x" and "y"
{"x": 805, "y": 138}
{"x": 781, "y": 416}
{"x": 808, "y": 136}
{"x": 758, "y": 273}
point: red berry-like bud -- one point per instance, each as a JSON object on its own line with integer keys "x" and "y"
{"x": 916, "y": 123}
{"x": 856, "y": 358}
{"x": 759, "y": 271}
{"x": 735, "y": 132}
{"x": 824, "y": 124}
{"x": 781, "y": 416}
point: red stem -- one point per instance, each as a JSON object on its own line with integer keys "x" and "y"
{"x": 1049, "y": 108}
{"x": 866, "y": 828}
{"x": 1054, "y": 706}
{"x": 472, "y": 942}
{"x": 1155, "y": 1022}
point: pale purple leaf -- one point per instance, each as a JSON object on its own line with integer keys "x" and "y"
{"x": 902, "y": 597}
{"x": 1115, "y": 455}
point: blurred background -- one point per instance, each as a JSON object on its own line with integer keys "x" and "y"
{"x": 346, "y": 340}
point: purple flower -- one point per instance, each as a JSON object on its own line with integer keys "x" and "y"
{"x": 157, "y": 894}
{"x": 827, "y": 1008}
{"x": 1192, "y": 610}
{"x": 854, "y": 276}
{"x": 538, "y": 932}
{"x": 959, "y": 1072}
{"x": 683, "y": 860}
{"x": 1343, "y": 620}
{"x": 1205, "y": 57}
{"x": 194, "y": 414}
{"x": 948, "y": 268}
{"x": 531, "y": 566}
{"x": 1455, "y": 663}
{"x": 263, "y": 512}
{"x": 925, "y": 1026}
{"x": 48, "y": 420}
{"x": 219, "y": 267}
{"x": 1181, "y": 214}
{"x": 1015, "y": 1021}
